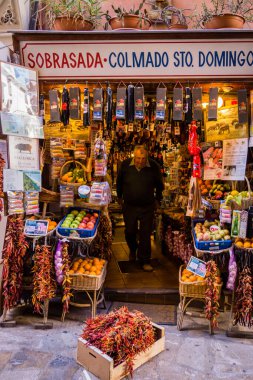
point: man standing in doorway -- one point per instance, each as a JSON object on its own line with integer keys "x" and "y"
{"x": 139, "y": 191}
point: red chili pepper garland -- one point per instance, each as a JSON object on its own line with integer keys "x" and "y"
{"x": 66, "y": 281}
{"x": 244, "y": 299}
{"x": 103, "y": 241}
{"x": 14, "y": 250}
{"x": 212, "y": 294}
{"x": 44, "y": 285}
{"x": 2, "y": 163}
{"x": 121, "y": 335}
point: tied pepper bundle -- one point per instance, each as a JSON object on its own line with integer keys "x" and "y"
{"x": 211, "y": 294}
{"x": 103, "y": 241}
{"x": 66, "y": 278}
{"x": 120, "y": 334}
{"x": 14, "y": 250}
{"x": 44, "y": 285}
{"x": 2, "y": 163}
{"x": 244, "y": 300}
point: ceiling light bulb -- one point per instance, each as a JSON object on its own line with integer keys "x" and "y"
{"x": 220, "y": 102}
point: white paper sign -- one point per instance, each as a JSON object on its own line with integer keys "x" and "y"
{"x": 13, "y": 180}
{"x": 23, "y": 153}
{"x": 234, "y": 159}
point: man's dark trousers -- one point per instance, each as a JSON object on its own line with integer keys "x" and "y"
{"x": 144, "y": 214}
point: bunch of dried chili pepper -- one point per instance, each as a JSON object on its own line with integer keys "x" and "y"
{"x": 244, "y": 299}
{"x": 14, "y": 250}
{"x": 211, "y": 294}
{"x": 2, "y": 163}
{"x": 66, "y": 278}
{"x": 44, "y": 285}
{"x": 120, "y": 334}
{"x": 103, "y": 241}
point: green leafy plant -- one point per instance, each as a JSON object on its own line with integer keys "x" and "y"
{"x": 163, "y": 12}
{"x": 120, "y": 12}
{"x": 242, "y": 8}
{"x": 89, "y": 10}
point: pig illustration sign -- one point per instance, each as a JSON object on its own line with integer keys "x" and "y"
{"x": 139, "y": 59}
{"x": 23, "y": 153}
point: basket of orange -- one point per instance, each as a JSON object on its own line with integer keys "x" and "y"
{"x": 73, "y": 173}
{"x": 193, "y": 286}
{"x": 87, "y": 273}
{"x": 244, "y": 244}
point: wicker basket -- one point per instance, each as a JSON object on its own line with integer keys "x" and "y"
{"x": 215, "y": 203}
{"x": 246, "y": 202}
{"x": 194, "y": 289}
{"x": 87, "y": 282}
{"x": 66, "y": 167}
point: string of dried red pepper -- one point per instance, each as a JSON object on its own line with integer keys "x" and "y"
{"x": 14, "y": 250}
{"x": 120, "y": 334}
{"x": 66, "y": 278}
{"x": 211, "y": 294}
{"x": 244, "y": 299}
{"x": 2, "y": 163}
{"x": 102, "y": 244}
{"x": 44, "y": 285}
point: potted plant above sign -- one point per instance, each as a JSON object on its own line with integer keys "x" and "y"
{"x": 223, "y": 14}
{"x": 164, "y": 16}
{"x": 71, "y": 14}
{"x": 128, "y": 19}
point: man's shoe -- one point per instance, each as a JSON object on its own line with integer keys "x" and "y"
{"x": 147, "y": 268}
{"x": 132, "y": 256}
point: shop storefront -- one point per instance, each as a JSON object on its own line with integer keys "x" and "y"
{"x": 84, "y": 82}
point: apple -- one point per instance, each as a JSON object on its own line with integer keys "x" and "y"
{"x": 90, "y": 225}
{"x": 81, "y": 225}
{"x": 95, "y": 214}
{"x": 86, "y": 219}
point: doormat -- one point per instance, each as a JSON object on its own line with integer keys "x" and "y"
{"x": 160, "y": 314}
{"x": 135, "y": 266}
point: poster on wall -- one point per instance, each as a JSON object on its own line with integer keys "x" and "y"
{"x": 22, "y": 125}
{"x": 18, "y": 180}
{"x": 212, "y": 157}
{"x": 19, "y": 89}
{"x": 234, "y": 159}
{"x": 23, "y": 153}
{"x": 226, "y": 126}
{"x": 3, "y": 151}
{"x": 13, "y": 180}
{"x": 32, "y": 180}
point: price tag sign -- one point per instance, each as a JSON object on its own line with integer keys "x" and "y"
{"x": 36, "y": 227}
{"x": 214, "y": 228}
{"x": 197, "y": 266}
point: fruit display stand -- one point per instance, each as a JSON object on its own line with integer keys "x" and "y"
{"x": 189, "y": 292}
{"x": 92, "y": 285}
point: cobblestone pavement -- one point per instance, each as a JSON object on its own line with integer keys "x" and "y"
{"x": 30, "y": 354}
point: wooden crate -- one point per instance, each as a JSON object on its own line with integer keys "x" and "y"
{"x": 101, "y": 365}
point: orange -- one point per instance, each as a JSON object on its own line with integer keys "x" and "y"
{"x": 193, "y": 278}
{"x": 92, "y": 273}
{"x": 87, "y": 266}
{"x": 98, "y": 272}
{"x": 247, "y": 244}
{"x": 93, "y": 268}
{"x": 71, "y": 271}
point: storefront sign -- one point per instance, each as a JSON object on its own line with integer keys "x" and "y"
{"x": 140, "y": 59}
